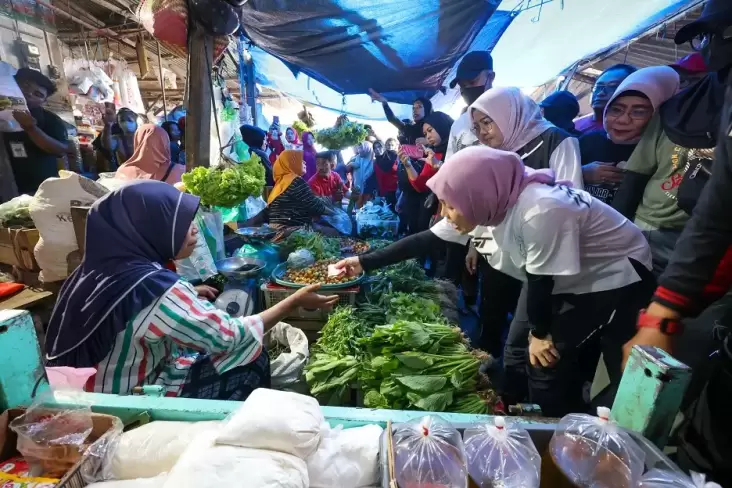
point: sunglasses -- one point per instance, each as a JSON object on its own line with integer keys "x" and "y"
{"x": 702, "y": 40}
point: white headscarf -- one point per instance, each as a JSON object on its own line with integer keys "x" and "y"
{"x": 517, "y": 115}
{"x": 658, "y": 83}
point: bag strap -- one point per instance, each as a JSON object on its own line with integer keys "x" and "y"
{"x": 167, "y": 173}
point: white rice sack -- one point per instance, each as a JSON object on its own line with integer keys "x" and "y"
{"x": 156, "y": 482}
{"x": 346, "y": 457}
{"x": 277, "y": 421}
{"x": 206, "y": 465}
{"x": 57, "y": 252}
{"x": 154, "y": 448}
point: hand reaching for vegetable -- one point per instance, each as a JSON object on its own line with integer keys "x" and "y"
{"x": 542, "y": 352}
{"x": 307, "y": 298}
{"x": 351, "y": 266}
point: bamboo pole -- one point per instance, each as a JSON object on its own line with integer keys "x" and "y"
{"x": 162, "y": 83}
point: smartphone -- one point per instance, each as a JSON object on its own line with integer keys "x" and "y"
{"x": 412, "y": 151}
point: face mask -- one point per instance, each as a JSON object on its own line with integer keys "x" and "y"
{"x": 717, "y": 54}
{"x": 472, "y": 93}
{"x": 129, "y": 127}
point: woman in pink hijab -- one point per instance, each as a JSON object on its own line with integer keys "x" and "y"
{"x": 587, "y": 268}
{"x": 151, "y": 158}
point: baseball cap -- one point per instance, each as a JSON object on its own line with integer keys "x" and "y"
{"x": 716, "y": 14}
{"x": 471, "y": 65}
{"x": 693, "y": 63}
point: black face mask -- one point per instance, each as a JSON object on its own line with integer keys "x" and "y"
{"x": 718, "y": 53}
{"x": 472, "y": 93}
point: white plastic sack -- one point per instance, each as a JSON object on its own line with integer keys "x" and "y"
{"x": 110, "y": 181}
{"x": 156, "y": 482}
{"x": 153, "y": 449}
{"x": 346, "y": 457}
{"x": 276, "y": 421}
{"x": 207, "y": 465}
{"x": 200, "y": 265}
{"x": 57, "y": 253}
{"x": 11, "y": 98}
{"x": 287, "y": 369}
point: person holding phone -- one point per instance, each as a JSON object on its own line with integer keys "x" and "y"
{"x": 121, "y": 145}
{"x": 625, "y": 119}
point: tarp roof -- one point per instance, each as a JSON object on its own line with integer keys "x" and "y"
{"x": 319, "y": 50}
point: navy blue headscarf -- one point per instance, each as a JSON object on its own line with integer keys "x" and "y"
{"x": 131, "y": 234}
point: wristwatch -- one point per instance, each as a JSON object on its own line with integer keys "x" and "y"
{"x": 668, "y": 326}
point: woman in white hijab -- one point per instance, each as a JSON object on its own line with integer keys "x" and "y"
{"x": 505, "y": 118}
{"x": 362, "y": 166}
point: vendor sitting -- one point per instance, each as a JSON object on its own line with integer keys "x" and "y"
{"x": 125, "y": 313}
{"x": 292, "y": 203}
{"x": 326, "y": 182}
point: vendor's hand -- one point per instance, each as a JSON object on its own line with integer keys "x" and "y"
{"x": 307, "y": 298}
{"x": 206, "y": 292}
{"x": 471, "y": 260}
{"x": 24, "y": 118}
{"x": 376, "y": 96}
{"x": 598, "y": 173}
{"x": 352, "y": 266}
{"x": 542, "y": 352}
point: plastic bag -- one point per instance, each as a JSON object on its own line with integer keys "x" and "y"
{"x": 15, "y": 212}
{"x": 429, "y": 452}
{"x": 11, "y": 98}
{"x": 275, "y": 421}
{"x": 302, "y": 258}
{"x": 200, "y": 265}
{"x": 53, "y": 440}
{"x": 346, "y": 458}
{"x": 661, "y": 478}
{"x": 340, "y": 221}
{"x": 287, "y": 368}
{"x": 501, "y": 455}
{"x": 152, "y": 449}
{"x": 211, "y": 223}
{"x": 592, "y": 451}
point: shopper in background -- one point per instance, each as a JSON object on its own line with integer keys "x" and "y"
{"x": 326, "y": 182}
{"x": 255, "y": 138}
{"x": 626, "y": 117}
{"x": 292, "y": 140}
{"x": 605, "y": 86}
{"x": 475, "y": 76}
{"x": 34, "y": 152}
{"x": 561, "y": 108}
{"x": 121, "y": 145}
{"x": 151, "y": 159}
{"x": 364, "y": 177}
{"x": 386, "y": 170}
{"x": 421, "y": 108}
{"x": 274, "y": 142}
{"x": 309, "y": 154}
{"x": 174, "y": 134}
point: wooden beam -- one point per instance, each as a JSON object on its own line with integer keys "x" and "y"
{"x": 198, "y": 119}
{"x": 73, "y": 9}
{"x": 142, "y": 57}
{"x": 117, "y": 10}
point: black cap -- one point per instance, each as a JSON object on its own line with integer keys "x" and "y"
{"x": 471, "y": 66}
{"x": 717, "y": 14}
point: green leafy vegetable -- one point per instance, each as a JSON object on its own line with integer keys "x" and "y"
{"x": 321, "y": 246}
{"x": 300, "y": 127}
{"x": 226, "y": 187}
{"x": 346, "y": 134}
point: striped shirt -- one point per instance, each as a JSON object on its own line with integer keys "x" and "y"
{"x": 296, "y": 206}
{"x": 162, "y": 342}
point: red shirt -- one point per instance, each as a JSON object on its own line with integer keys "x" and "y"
{"x": 386, "y": 180}
{"x": 327, "y": 186}
{"x": 428, "y": 171}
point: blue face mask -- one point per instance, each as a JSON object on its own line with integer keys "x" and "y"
{"x": 128, "y": 127}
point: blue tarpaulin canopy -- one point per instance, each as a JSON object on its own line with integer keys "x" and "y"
{"x": 329, "y": 52}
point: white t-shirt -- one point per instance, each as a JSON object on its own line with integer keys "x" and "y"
{"x": 461, "y": 135}
{"x": 562, "y": 232}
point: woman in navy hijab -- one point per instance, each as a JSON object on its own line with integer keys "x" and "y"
{"x": 124, "y": 312}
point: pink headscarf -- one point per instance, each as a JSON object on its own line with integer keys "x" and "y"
{"x": 296, "y": 140}
{"x": 484, "y": 183}
{"x": 517, "y": 115}
{"x": 151, "y": 158}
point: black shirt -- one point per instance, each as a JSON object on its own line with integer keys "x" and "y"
{"x": 597, "y": 147}
{"x": 31, "y": 165}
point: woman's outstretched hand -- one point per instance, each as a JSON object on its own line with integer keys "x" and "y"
{"x": 307, "y": 297}
{"x": 350, "y": 266}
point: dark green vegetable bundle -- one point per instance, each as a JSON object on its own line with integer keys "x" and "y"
{"x": 321, "y": 246}
{"x": 343, "y": 135}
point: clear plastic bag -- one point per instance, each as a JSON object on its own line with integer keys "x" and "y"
{"x": 592, "y": 452}
{"x": 340, "y": 221}
{"x": 429, "y": 452}
{"x": 53, "y": 440}
{"x": 661, "y": 478}
{"x": 302, "y": 258}
{"x": 501, "y": 455}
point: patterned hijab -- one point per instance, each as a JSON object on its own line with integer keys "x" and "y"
{"x": 517, "y": 115}
{"x": 287, "y": 167}
{"x": 484, "y": 183}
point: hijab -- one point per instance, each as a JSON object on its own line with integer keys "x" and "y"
{"x": 442, "y": 123}
{"x": 254, "y": 138}
{"x": 561, "y": 108}
{"x": 286, "y": 169}
{"x": 296, "y": 140}
{"x": 151, "y": 158}
{"x": 386, "y": 160}
{"x": 427, "y": 104}
{"x": 517, "y": 115}
{"x": 365, "y": 162}
{"x": 310, "y": 156}
{"x": 483, "y": 183}
{"x": 131, "y": 233}
{"x": 657, "y": 83}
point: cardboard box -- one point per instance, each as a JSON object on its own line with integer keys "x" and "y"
{"x": 16, "y": 247}
{"x": 72, "y": 479}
